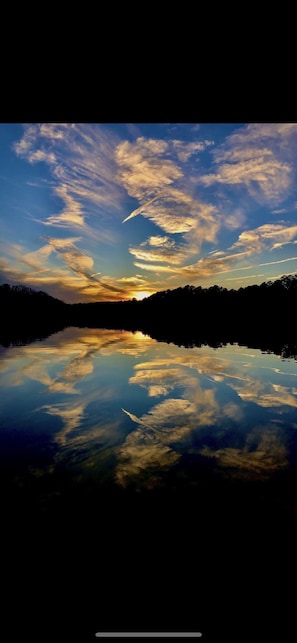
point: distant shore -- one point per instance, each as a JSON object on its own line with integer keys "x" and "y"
{"x": 261, "y": 317}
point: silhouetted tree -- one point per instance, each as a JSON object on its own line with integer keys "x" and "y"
{"x": 261, "y": 315}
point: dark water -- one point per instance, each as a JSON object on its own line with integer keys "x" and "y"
{"x": 146, "y": 486}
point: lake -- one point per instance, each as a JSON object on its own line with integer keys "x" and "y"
{"x": 146, "y": 486}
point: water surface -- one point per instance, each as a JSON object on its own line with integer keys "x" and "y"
{"x": 132, "y": 461}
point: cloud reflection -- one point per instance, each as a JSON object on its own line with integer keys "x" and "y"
{"x": 201, "y": 376}
{"x": 143, "y": 455}
{"x": 151, "y": 404}
{"x": 263, "y": 454}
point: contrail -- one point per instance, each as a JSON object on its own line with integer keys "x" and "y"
{"x": 142, "y": 207}
{"x": 137, "y": 420}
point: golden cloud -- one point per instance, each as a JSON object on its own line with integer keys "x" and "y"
{"x": 257, "y": 156}
{"x": 72, "y": 213}
{"x": 255, "y": 240}
{"x": 186, "y": 150}
{"x": 263, "y": 454}
{"x": 143, "y": 166}
{"x": 156, "y": 379}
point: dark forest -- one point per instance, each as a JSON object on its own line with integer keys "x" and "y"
{"x": 261, "y": 316}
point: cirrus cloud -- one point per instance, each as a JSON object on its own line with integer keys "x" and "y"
{"x": 257, "y": 156}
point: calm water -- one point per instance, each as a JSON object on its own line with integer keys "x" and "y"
{"x": 134, "y": 471}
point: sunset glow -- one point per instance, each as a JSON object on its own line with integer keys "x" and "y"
{"x": 142, "y": 294}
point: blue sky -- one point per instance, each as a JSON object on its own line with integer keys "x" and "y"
{"x": 111, "y": 211}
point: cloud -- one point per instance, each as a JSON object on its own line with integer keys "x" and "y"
{"x": 265, "y": 394}
{"x": 83, "y": 169}
{"x": 143, "y": 462}
{"x": 83, "y": 283}
{"x": 263, "y": 454}
{"x": 37, "y": 258}
{"x": 91, "y": 173}
{"x": 90, "y": 166}
{"x": 263, "y": 177}
{"x": 169, "y": 211}
{"x": 25, "y": 147}
{"x": 172, "y": 418}
{"x": 137, "y": 420}
{"x": 249, "y": 242}
{"x": 157, "y": 241}
{"x": 80, "y": 263}
{"x": 282, "y": 243}
{"x": 143, "y": 167}
{"x": 171, "y": 421}
{"x": 256, "y": 276}
{"x": 159, "y": 248}
{"x": 143, "y": 208}
{"x": 254, "y": 241}
{"x": 155, "y": 446}
{"x": 71, "y": 415}
{"x": 94, "y": 177}
{"x": 257, "y": 156}
{"x": 198, "y": 405}
{"x": 208, "y": 266}
{"x": 36, "y": 365}
{"x": 178, "y": 213}
{"x": 71, "y": 352}
{"x": 72, "y": 213}
{"x": 157, "y": 381}
{"x": 147, "y": 452}
{"x": 186, "y": 150}
{"x": 234, "y": 219}
{"x": 166, "y": 198}
{"x": 175, "y": 211}
{"x": 205, "y": 388}
{"x": 268, "y": 132}
{"x": 156, "y": 268}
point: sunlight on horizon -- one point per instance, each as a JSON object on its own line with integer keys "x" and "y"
{"x": 142, "y": 294}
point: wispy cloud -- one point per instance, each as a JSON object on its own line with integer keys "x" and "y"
{"x": 185, "y": 150}
{"x": 82, "y": 165}
{"x": 144, "y": 168}
{"x": 267, "y": 455}
{"x": 243, "y": 160}
{"x": 80, "y": 263}
{"x": 71, "y": 415}
{"x": 72, "y": 214}
{"x": 158, "y": 182}
{"x": 75, "y": 277}
{"x": 257, "y": 156}
{"x": 158, "y": 381}
{"x": 162, "y": 249}
{"x": 253, "y": 241}
{"x": 249, "y": 243}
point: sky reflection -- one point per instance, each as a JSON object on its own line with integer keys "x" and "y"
{"x": 128, "y": 410}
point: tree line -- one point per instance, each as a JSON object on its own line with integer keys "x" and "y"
{"x": 264, "y": 314}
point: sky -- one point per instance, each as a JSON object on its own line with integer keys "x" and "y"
{"x": 113, "y": 211}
